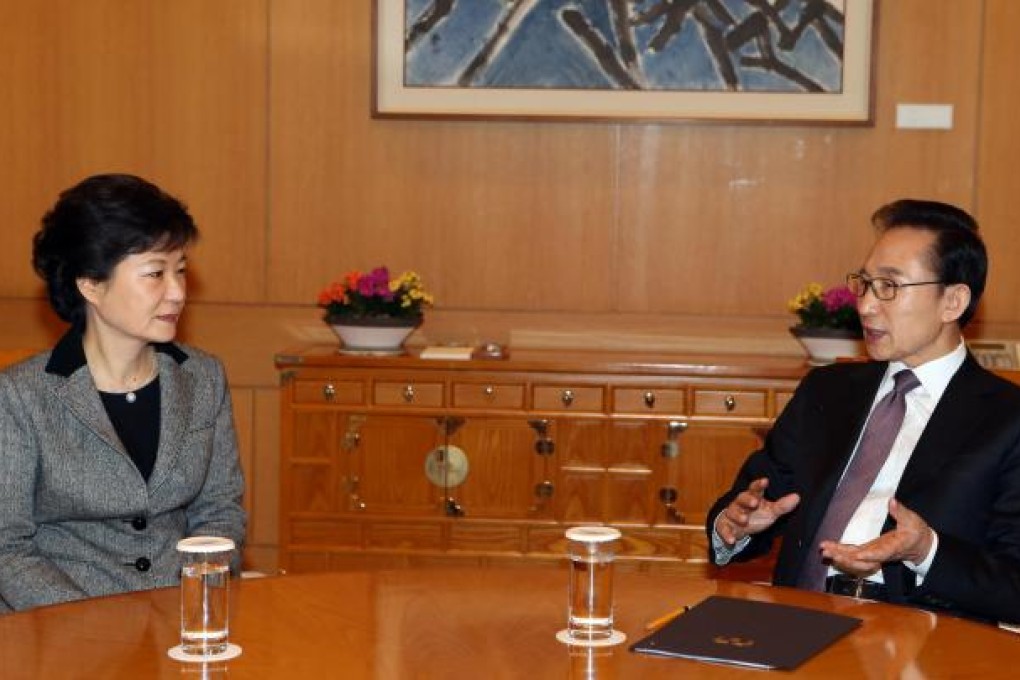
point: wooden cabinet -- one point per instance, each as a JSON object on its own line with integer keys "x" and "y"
{"x": 400, "y": 460}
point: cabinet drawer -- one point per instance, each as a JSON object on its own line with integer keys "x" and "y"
{"x": 325, "y": 532}
{"x": 729, "y": 403}
{"x": 566, "y": 398}
{"x": 638, "y": 400}
{"x": 398, "y": 535}
{"x": 408, "y": 394}
{"x": 329, "y": 392}
{"x": 488, "y": 395}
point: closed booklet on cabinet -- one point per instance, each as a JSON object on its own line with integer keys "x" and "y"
{"x": 747, "y": 633}
{"x": 452, "y": 353}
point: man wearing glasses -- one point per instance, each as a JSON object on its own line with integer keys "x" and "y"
{"x": 897, "y": 479}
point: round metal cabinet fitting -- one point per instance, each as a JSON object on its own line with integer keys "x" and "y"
{"x": 446, "y": 466}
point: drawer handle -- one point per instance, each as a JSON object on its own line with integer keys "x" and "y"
{"x": 649, "y": 399}
{"x": 489, "y": 391}
{"x": 329, "y": 392}
{"x": 408, "y": 393}
{"x": 729, "y": 402}
{"x": 567, "y": 397}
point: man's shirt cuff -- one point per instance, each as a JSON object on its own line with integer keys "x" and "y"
{"x": 922, "y": 569}
{"x": 724, "y": 553}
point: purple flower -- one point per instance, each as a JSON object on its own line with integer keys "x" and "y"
{"x": 376, "y": 284}
{"x": 835, "y": 299}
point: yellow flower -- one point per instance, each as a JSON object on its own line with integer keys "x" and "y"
{"x": 375, "y": 294}
{"x": 817, "y": 307}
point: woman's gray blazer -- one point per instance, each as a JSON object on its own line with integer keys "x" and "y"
{"x": 76, "y": 517}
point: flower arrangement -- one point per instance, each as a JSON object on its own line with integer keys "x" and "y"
{"x": 835, "y": 308}
{"x": 374, "y": 295}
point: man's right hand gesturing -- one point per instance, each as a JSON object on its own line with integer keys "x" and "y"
{"x": 750, "y": 512}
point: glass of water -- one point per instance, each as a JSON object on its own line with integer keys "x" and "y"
{"x": 590, "y": 595}
{"x": 205, "y": 594}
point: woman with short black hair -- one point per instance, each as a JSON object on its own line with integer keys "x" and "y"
{"x": 118, "y": 442}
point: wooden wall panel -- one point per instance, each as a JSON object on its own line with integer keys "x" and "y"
{"x": 173, "y": 90}
{"x": 709, "y": 214}
{"x": 998, "y": 184}
{"x": 493, "y": 215}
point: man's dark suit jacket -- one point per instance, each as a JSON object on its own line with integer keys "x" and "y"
{"x": 963, "y": 478}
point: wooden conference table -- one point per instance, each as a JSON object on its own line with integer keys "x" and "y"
{"x": 446, "y": 623}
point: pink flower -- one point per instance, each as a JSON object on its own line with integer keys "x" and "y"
{"x": 374, "y": 294}
{"x": 376, "y": 284}
{"x": 835, "y": 299}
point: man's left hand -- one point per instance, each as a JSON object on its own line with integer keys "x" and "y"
{"x": 910, "y": 541}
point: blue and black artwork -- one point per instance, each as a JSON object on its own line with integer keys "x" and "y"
{"x": 676, "y": 45}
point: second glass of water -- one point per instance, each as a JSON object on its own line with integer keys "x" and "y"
{"x": 205, "y": 594}
{"x": 590, "y": 598}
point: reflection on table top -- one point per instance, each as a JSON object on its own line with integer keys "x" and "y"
{"x": 445, "y": 623}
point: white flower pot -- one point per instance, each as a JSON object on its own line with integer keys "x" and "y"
{"x": 385, "y": 336}
{"x": 824, "y": 346}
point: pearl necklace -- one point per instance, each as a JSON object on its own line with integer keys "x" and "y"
{"x": 131, "y": 396}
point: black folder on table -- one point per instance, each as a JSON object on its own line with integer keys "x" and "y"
{"x": 747, "y": 633}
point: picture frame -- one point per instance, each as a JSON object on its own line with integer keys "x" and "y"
{"x": 770, "y": 61}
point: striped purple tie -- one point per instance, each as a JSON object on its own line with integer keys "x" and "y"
{"x": 871, "y": 455}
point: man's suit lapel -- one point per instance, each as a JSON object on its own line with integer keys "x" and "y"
{"x": 951, "y": 426}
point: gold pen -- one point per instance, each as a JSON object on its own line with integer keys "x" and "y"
{"x": 666, "y": 618}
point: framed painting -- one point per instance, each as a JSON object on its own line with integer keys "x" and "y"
{"x": 727, "y": 60}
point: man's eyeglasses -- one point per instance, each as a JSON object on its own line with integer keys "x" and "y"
{"x": 883, "y": 288}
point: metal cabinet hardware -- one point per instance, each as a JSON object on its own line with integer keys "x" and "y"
{"x": 452, "y": 508}
{"x": 353, "y": 498}
{"x": 671, "y": 447}
{"x": 540, "y": 426}
{"x": 668, "y": 496}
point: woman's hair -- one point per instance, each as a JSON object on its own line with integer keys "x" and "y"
{"x": 96, "y": 224}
